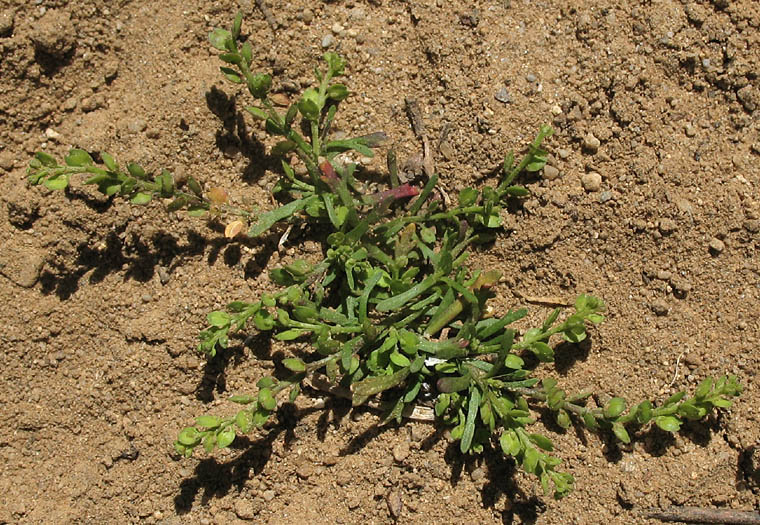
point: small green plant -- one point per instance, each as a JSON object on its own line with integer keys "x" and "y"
{"x": 391, "y": 310}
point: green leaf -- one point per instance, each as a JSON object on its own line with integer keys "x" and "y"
{"x": 231, "y": 58}
{"x": 243, "y": 421}
{"x": 218, "y": 318}
{"x": 268, "y": 219}
{"x": 337, "y": 92}
{"x": 399, "y": 359}
{"x": 109, "y": 161}
{"x": 207, "y": 421}
{"x": 46, "y": 160}
{"x": 236, "y": 25}
{"x": 469, "y": 426}
{"x": 267, "y": 400}
{"x": 621, "y": 433}
{"x": 454, "y": 384}
{"x": 257, "y": 113}
{"x": 668, "y": 423}
{"x": 218, "y": 38}
{"x": 542, "y": 442}
{"x": 247, "y": 51}
{"x": 294, "y": 365}
{"x": 563, "y": 419}
{"x": 704, "y": 388}
{"x": 543, "y": 352}
{"x": 141, "y": 198}
{"x": 259, "y": 85}
{"x": 225, "y": 437}
{"x": 189, "y": 437}
{"x": 374, "y": 385}
{"x": 290, "y": 335}
{"x": 510, "y": 443}
{"x": 78, "y": 157}
{"x": 57, "y": 182}
{"x": 243, "y": 399}
{"x": 231, "y": 75}
{"x": 136, "y": 170}
{"x": 467, "y": 197}
{"x": 614, "y": 407}
{"x": 530, "y": 460}
{"x": 308, "y": 109}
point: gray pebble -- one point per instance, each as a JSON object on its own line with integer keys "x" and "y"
{"x": 163, "y": 275}
{"x": 563, "y": 153}
{"x": 268, "y": 495}
{"x": 357, "y": 14}
{"x": 6, "y": 23}
{"x": 690, "y": 130}
{"x": 401, "y": 452}
{"x": 502, "y": 95}
{"x": 605, "y": 196}
{"x": 716, "y": 246}
{"x": 591, "y": 143}
{"x": 530, "y": 77}
{"x": 550, "y": 172}
{"x": 146, "y": 298}
{"x": 751, "y": 225}
{"x": 307, "y": 16}
{"x": 477, "y": 474}
{"x": 327, "y": 41}
{"x": 664, "y": 275}
{"x": 591, "y": 181}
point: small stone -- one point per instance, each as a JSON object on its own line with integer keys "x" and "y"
{"x": 556, "y": 110}
{"x": 401, "y": 452}
{"x": 21, "y": 266}
{"x": 92, "y": 103}
{"x": 751, "y": 225}
{"x": 749, "y": 97}
{"x": 305, "y": 471}
{"x": 395, "y": 503}
{"x": 337, "y": 29}
{"x": 563, "y": 153}
{"x": 70, "y": 104}
{"x": 268, "y": 495}
{"x": 681, "y": 286}
{"x": 550, "y": 172}
{"x": 153, "y": 134}
{"x": 6, "y": 23}
{"x": 327, "y": 41}
{"x": 659, "y": 307}
{"x": 6, "y": 160}
{"x": 54, "y": 34}
{"x": 591, "y": 143}
{"x": 690, "y": 130}
{"x": 146, "y": 298}
{"x": 245, "y": 510}
{"x": 502, "y": 95}
{"x": 667, "y": 226}
{"x": 163, "y": 274}
{"x": 591, "y": 181}
{"x": 307, "y": 16}
{"x": 664, "y": 275}
{"x": 280, "y": 99}
{"x": 477, "y": 474}
{"x": 716, "y": 246}
{"x": 52, "y": 134}
{"x": 357, "y": 14}
{"x": 137, "y": 125}
{"x": 330, "y": 460}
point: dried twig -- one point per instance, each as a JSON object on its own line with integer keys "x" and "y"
{"x": 704, "y": 515}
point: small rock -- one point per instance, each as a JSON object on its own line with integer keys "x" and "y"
{"x": 137, "y": 125}
{"x": 280, "y": 99}
{"x": 667, "y": 226}
{"x": 716, "y": 246}
{"x": 54, "y": 34}
{"x": 146, "y": 298}
{"x": 395, "y": 503}
{"x": 305, "y": 471}
{"x": 337, "y": 29}
{"x": 591, "y": 181}
{"x": 245, "y": 510}
{"x": 749, "y": 97}
{"x": 664, "y": 275}
{"x": 357, "y": 14}
{"x": 550, "y": 172}
{"x": 502, "y": 95}
{"x": 681, "y": 286}
{"x": 556, "y": 110}
{"x": 307, "y": 16}
{"x": 163, "y": 274}
{"x": 6, "y": 23}
{"x": 591, "y": 143}
{"x": 563, "y": 153}
{"x": 92, "y": 103}
{"x": 70, "y": 104}
{"x": 477, "y": 474}
{"x": 21, "y": 266}
{"x": 471, "y": 18}
{"x": 327, "y": 41}
{"x": 690, "y": 130}
{"x": 605, "y": 196}
{"x": 52, "y": 134}
{"x": 751, "y": 225}
{"x": 401, "y": 452}
{"x": 330, "y": 460}
{"x": 659, "y": 307}
{"x": 6, "y": 160}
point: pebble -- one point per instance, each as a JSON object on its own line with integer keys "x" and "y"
{"x": 751, "y": 225}
{"x": 337, "y": 29}
{"x": 556, "y": 109}
{"x": 563, "y": 153}
{"x": 52, "y": 134}
{"x": 163, "y": 274}
{"x": 307, "y": 16}
{"x": 70, "y": 103}
{"x": 477, "y": 474}
{"x": 395, "y": 503}
{"x": 54, "y": 34}
{"x": 605, "y": 196}
{"x": 146, "y": 298}
{"x": 6, "y": 160}
{"x": 6, "y": 23}
{"x": 245, "y": 510}
{"x": 659, "y": 307}
{"x": 667, "y": 226}
{"x": 716, "y": 246}
{"x": 137, "y": 125}
{"x": 530, "y": 77}
{"x": 357, "y": 14}
{"x": 268, "y": 495}
{"x": 502, "y": 95}
{"x": 591, "y": 181}
{"x": 591, "y": 143}
{"x": 690, "y": 130}
{"x": 664, "y": 275}
{"x": 92, "y": 103}
{"x": 550, "y": 172}
{"x": 21, "y": 266}
{"x": 327, "y": 41}
{"x": 401, "y": 452}
{"x": 305, "y": 471}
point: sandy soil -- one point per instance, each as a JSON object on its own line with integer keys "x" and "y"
{"x": 101, "y": 302}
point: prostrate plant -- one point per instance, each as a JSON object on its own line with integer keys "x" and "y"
{"x": 391, "y": 310}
